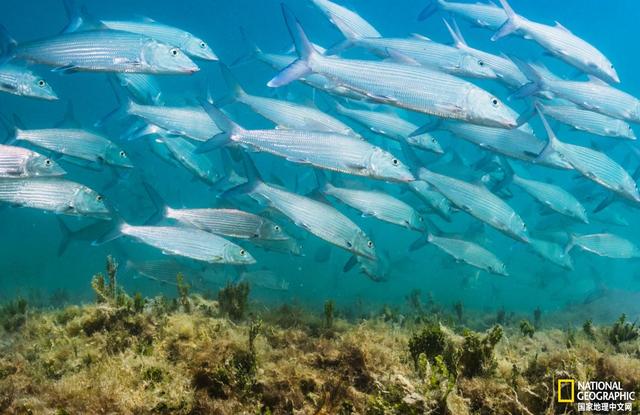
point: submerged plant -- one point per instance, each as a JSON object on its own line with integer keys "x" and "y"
{"x": 621, "y": 331}
{"x": 537, "y": 317}
{"x": 588, "y": 329}
{"x": 458, "y": 307}
{"x": 183, "y": 293}
{"x": 413, "y": 299}
{"x": 234, "y": 299}
{"x": 500, "y": 316}
{"x": 329, "y": 306}
{"x": 431, "y": 341}
{"x": 571, "y": 337}
{"x": 526, "y": 328}
{"x": 476, "y": 354}
{"x": 108, "y": 291}
{"x": 14, "y": 314}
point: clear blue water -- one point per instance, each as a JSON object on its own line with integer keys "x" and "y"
{"x": 29, "y": 239}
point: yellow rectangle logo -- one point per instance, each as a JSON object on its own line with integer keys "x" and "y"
{"x": 562, "y": 382}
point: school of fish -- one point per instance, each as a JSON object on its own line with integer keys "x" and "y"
{"x": 353, "y": 144}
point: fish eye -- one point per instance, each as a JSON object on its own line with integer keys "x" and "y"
{"x": 48, "y": 162}
{"x": 123, "y": 154}
{"x": 277, "y": 228}
{"x": 174, "y": 52}
{"x": 370, "y": 244}
{"x": 243, "y": 252}
{"x": 42, "y": 83}
{"x": 203, "y": 45}
{"x": 395, "y": 162}
{"x": 494, "y": 102}
{"x": 99, "y": 198}
{"x": 481, "y": 63}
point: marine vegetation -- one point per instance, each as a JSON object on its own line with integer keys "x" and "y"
{"x": 621, "y": 331}
{"x": 135, "y": 355}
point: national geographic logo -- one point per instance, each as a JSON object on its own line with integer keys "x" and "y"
{"x": 595, "y": 396}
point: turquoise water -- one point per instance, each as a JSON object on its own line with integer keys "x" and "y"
{"x": 29, "y": 239}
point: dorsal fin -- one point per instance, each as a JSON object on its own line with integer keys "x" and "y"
{"x": 595, "y": 80}
{"x": 418, "y": 36}
{"x": 560, "y": 26}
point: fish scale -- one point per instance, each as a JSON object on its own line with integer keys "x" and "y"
{"x": 589, "y": 121}
{"x": 71, "y": 142}
{"x": 318, "y": 218}
{"x": 486, "y": 15}
{"x": 553, "y": 196}
{"x": 478, "y": 202}
{"x": 470, "y": 253}
{"x": 192, "y": 122}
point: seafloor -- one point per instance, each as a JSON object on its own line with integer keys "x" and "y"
{"x": 195, "y": 355}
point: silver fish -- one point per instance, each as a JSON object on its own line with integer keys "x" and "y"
{"x": 77, "y": 143}
{"x": 54, "y": 195}
{"x": 505, "y": 70}
{"x": 404, "y": 86}
{"x": 232, "y": 223}
{"x": 265, "y": 278}
{"x": 432, "y": 198}
{"x": 486, "y": 15}
{"x": 348, "y": 17}
{"x": 328, "y": 151}
{"x": 320, "y": 219}
{"x": 589, "y": 121}
{"x": 200, "y": 165}
{"x": 422, "y": 50}
{"x": 392, "y": 126}
{"x": 189, "y": 243}
{"x": 21, "y": 81}
{"x": 552, "y": 196}
{"x": 190, "y": 122}
{"x": 469, "y": 253}
{"x": 190, "y": 44}
{"x": 593, "y": 95}
{"x": 592, "y": 164}
{"x": 560, "y": 42}
{"x": 479, "y": 202}
{"x": 378, "y": 204}
{"x": 514, "y": 143}
{"x": 286, "y": 114}
{"x": 606, "y": 245}
{"x": 18, "y": 162}
{"x": 144, "y": 88}
{"x": 552, "y": 252}
{"x": 105, "y": 51}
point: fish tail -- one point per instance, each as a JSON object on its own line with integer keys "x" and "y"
{"x": 79, "y": 18}
{"x": 66, "y": 236}
{"x": 113, "y": 234}
{"x": 11, "y": 129}
{"x": 430, "y": 9}
{"x": 121, "y": 109}
{"x": 455, "y": 33}
{"x": 536, "y": 83}
{"x": 422, "y": 241}
{"x": 235, "y": 89}
{"x": 570, "y": 244}
{"x": 253, "y": 179}
{"x": 304, "y": 48}
{"x": 8, "y": 45}
{"x": 158, "y": 202}
{"x": 253, "y": 52}
{"x": 351, "y": 36}
{"x": 511, "y": 25}
{"x": 224, "y": 123}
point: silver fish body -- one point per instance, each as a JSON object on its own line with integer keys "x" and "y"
{"x": 418, "y": 89}
{"x": 53, "y": 195}
{"x": 265, "y": 279}
{"x": 190, "y": 122}
{"x": 106, "y": 51}
{"x": 470, "y": 253}
{"x": 392, "y": 126}
{"x": 78, "y": 143}
{"x": 514, "y": 143}
{"x": 320, "y": 219}
{"x": 589, "y": 121}
{"x": 232, "y": 223}
{"x": 486, "y": 15}
{"x": 552, "y": 252}
{"x": 434, "y": 199}
{"x": 554, "y": 197}
{"x": 18, "y": 162}
{"x": 17, "y": 80}
{"x": 144, "y": 88}
{"x": 200, "y": 165}
{"x": 190, "y": 44}
{"x": 379, "y": 205}
{"x": 479, "y": 202}
{"x": 350, "y": 18}
{"x": 328, "y": 151}
{"x": 606, "y": 245}
{"x": 189, "y": 243}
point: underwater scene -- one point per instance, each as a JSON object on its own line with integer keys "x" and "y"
{"x": 319, "y": 207}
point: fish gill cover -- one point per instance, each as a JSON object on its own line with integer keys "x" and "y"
{"x": 318, "y": 207}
